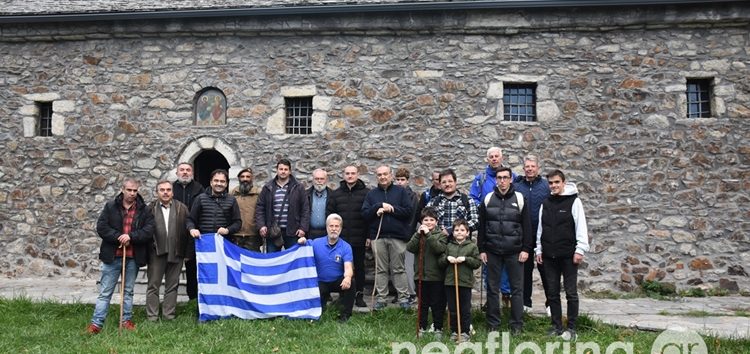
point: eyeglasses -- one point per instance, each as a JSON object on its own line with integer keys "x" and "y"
{"x": 503, "y": 178}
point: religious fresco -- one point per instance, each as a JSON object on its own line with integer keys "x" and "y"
{"x": 210, "y": 108}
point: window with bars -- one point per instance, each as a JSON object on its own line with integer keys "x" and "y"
{"x": 699, "y": 98}
{"x": 299, "y": 112}
{"x": 519, "y": 102}
{"x": 44, "y": 128}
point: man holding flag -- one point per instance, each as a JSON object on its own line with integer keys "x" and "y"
{"x": 333, "y": 261}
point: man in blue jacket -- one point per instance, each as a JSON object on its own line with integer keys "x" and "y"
{"x": 388, "y": 209}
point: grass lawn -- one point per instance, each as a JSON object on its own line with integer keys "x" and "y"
{"x": 46, "y": 327}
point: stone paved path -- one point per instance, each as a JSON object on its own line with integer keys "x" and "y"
{"x": 711, "y": 315}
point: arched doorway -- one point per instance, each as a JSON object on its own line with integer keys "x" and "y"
{"x": 205, "y": 163}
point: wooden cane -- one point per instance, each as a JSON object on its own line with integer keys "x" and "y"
{"x": 122, "y": 288}
{"x": 422, "y": 236}
{"x": 458, "y": 309}
{"x": 375, "y": 280}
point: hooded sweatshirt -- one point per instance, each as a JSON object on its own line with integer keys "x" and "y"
{"x": 562, "y": 225}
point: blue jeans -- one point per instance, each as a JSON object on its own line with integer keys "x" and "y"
{"x": 504, "y": 282}
{"x": 110, "y": 276}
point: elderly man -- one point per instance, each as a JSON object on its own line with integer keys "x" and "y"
{"x": 347, "y": 201}
{"x": 388, "y": 208}
{"x": 536, "y": 190}
{"x": 170, "y": 245}
{"x": 333, "y": 261}
{"x": 318, "y": 196}
{"x": 247, "y": 197}
{"x": 186, "y": 190}
{"x": 282, "y": 206}
{"x": 126, "y": 228}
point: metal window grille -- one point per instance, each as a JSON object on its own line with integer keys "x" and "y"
{"x": 699, "y": 98}
{"x": 298, "y": 115}
{"x": 519, "y": 102}
{"x": 45, "y": 118}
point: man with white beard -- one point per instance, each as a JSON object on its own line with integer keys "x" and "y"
{"x": 186, "y": 190}
{"x": 247, "y": 197}
{"x": 318, "y": 197}
{"x": 334, "y": 263}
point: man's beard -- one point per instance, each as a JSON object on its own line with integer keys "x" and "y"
{"x": 185, "y": 180}
{"x": 245, "y": 187}
{"x": 319, "y": 187}
{"x": 333, "y": 236}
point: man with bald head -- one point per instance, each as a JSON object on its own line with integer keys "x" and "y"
{"x": 388, "y": 210}
{"x": 347, "y": 201}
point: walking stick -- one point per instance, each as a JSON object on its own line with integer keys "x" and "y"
{"x": 458, "y": 309}
{"x": 422, "y": 236}
{"x": 375, "y": 279}
{"x": 481, "y": 287}
{"x": 122, "y": 288}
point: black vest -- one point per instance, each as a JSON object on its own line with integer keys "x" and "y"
{"x": 558, "y": 226}
{"x": 504, "y": 224}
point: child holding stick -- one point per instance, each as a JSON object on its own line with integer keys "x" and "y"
{"x": 461, "y": 255}
{"x": 428, "y": 244}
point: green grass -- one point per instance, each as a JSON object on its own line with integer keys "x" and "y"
{"x": 47, "y": 327}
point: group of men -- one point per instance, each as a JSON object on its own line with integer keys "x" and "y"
{"x": 516, "y": 217}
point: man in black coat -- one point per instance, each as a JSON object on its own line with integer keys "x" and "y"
{"x": 186, "y": 190}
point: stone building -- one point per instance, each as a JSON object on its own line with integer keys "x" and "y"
{"x": 645, "y": 104}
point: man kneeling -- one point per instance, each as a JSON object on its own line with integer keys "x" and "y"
{"x": 333, "y": 261}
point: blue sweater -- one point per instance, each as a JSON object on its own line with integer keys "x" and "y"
{"x": 395, "y": 224}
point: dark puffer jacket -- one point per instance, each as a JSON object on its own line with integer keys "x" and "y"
{"x": 297, "y": 206}
{"x": 347, "y": 202}
{"x": 109, "y": 228}
{"x": 187, "y": 194}
{"x": 210, "y": 212}
{"x": 535, "y": 192}
{"x": 503, "y": 228}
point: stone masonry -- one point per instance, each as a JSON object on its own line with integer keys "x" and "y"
{"x": 666, "y": 197}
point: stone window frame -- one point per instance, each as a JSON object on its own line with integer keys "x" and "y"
{"x": 30, "y": 113}
{"x": 44, "y": 118}
{"x": 276, "y": 123}
{"x": 720, "y": 91}
{"x": 546, "y": 109}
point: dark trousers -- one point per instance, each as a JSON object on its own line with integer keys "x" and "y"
{"x": 346, "y": 297}
{"x": 433, "y": 298}
{"x": 315, "y": 233}
{"x": 358, "y": 253}
{"x": 495, "y": 265}
{"x": 528, "y": 279}
{"x": 553, "y": 269}
{"x": 464, "y": 304}
{"x": 191, "y": 273}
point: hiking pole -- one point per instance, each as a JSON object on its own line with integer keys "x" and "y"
{"x": 122, "y": 287}
{"x": 375, "y": 279}
{"x": 422, "y": 236}
{"x": 458, "y": 309}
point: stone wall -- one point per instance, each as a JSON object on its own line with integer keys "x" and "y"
{"x": 666, "y": 196}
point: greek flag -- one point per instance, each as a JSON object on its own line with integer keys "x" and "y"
{"x": 234, "y": 282}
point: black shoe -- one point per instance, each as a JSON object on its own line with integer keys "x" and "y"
{"x": 344, "y": 318}
{"x": 395, "y": 300}
{"x": 484, "y": 307}
{"x": 492, "y": 329}
{"x": 360, "y": 300}
{"x": 515, "y": 331}
{"x": 554, "y": 332}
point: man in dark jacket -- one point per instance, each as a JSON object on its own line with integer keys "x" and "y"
{"x": 186, "y": 190}
{"x": 347, "y": 201}
{"x": 388, "y": 208}
{"x": 168, "y": 250}
{"x": 318, "y": 196}
{"x": 535, "y": 189}
{"x": 505, "y": 241}
{"x": 126, "y": 227}
{"x": 283, "y": 202}
{"x": 215, "y": 211}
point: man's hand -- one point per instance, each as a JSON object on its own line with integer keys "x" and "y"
{"x": 301, "y": 240}
{"x": 263, "y": 231}
{"x": 380, "y": 211}
{"x": 483, "y": 257}
{"x": 223, "y": 231}
{"x": 523, "y": 256}
{"x": 346, "y": 283}
{"x": 195, "y": 233}
{"x": 577, "y": 258}
{"x": 300, "y": 233}
{"x": 124, "y": 239}
{"x": 368, "y": 243}
{"x": 538, "y": 258}
{"x": 388, "y": 208}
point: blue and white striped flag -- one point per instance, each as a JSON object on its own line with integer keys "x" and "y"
{"x": 235, "y": 282}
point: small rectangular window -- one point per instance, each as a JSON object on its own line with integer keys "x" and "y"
{"x": 299, "y": 112}
{"x": 45, "y": 118}
{"x": 699, "y": 98}
{"x": 519, "y": 102}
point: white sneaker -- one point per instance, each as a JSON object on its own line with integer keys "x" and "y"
{"x": 471, "y": 329}
{"x": 549, "y": 312}
{"x": 527, "y": 309}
